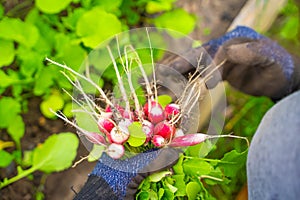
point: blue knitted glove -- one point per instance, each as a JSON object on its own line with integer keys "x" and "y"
{"x": 252, "y": 63}
{"x": 119, "y": 179}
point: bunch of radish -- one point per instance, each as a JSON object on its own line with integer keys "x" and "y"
{"x": 161, "y": 126}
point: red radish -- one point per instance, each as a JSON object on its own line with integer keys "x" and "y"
{"x": 148, "y": 129}
{"x": 164, "y": 129}
{"x": 155, "y": 113}
{"x": 128, "y": 115}
{"x": 115, "y": 151}
{"x": 158, "y": 140}
{"x": 178, "y": 133}
{"x": 188, "y": 140}
{"x": 105, "y": 124}
{"x": 119, "y": 134}
{"x": 95, "y": 138}
{"x": 172, "y": 110}
{"x": 117, "y": 107}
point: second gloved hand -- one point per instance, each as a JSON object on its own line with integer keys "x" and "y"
{"x": 251, "y": 63}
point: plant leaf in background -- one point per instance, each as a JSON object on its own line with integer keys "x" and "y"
{"x": 159, "y": 6}
{"x": 7, "y": 54}
{"x": 56, "y": 153}
{"x": 5, "y": 158}
{"x": 10, "y": 108}
{"x": 54, "y": 102}
{"x": 96, "y": 25}
{"x": 177, "y": 20}
{"x": 16, "y": 130}
{"x": 52, "y": 6}
{"x": 16, "y": 30}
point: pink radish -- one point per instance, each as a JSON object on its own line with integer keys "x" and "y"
{"x": 155, "y": 113}
{"x": 118, "y": 108}
{"x": 105, "y": 124}
{"x": 164, "y": 129}
{"x": 172, "y": 110}
{"x": 189, "y": 140}
{"x": 148, "y": 129}
{"x": 95, "y": 138}
{"x": 119, "y": 134}
{"x": 158, "y": 140}
{"x": 115, "y": 151}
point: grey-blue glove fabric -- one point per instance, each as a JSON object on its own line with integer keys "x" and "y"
{"x": 119, "y": 179}
{"x": 273, "y": 159}
{"x": 251, "y": 62}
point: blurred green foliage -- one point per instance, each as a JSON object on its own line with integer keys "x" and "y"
{"x": 65, "y": 31}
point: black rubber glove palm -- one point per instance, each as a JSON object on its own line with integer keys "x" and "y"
{"x": 251, "y": 63}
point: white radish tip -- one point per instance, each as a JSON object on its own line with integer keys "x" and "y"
{"x": 115, "y": 151}
{"x": 119, "y": 135}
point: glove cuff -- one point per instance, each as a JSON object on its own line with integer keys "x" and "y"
{"x": 96, "y": 188}
{"x": 296, "y": 75}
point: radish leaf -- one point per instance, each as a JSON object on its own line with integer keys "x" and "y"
{"x": 137, "y": 136}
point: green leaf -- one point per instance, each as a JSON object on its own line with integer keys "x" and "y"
{"x": 143, "y": 195}
{"x": 86, "y": 121}
{"x": 7, "y": 54}
{"x": 68, "y": 110}
{"x": 19, "y": 31}
{"x": 159, "y": 6}
{"x": 9, "y": 110}
{"x": 5, "y": 158}
{"x": 192, "y": 189}
{"x": 171, "y": 187}
{"x": 137, "y": 136}
{"x": 68, "y": 52}
{"x": 177, "y": 20}
{"x": 232, "y": 162}
{"x": 52, "y": 6}
{"x": 1, "y": 11}
{"x": 159, "y": 176}
{"x": 56, "y": 153}
{"x": 6, "y": 80}
{"x": 54, "y": 102}
{"x": 197, "y": 167}
{"x": 16, "y": 129}
{"x": 96, "y": 26}
{"x": 44, "y": 81}
{"x": 27, "y": 158}
{"x": 290, "y": 29}
{"x": 178, "y": 169}
{"x": 108, "y": 5}
{"x": 180, "y": 184}
{"x": 164, "y": 100}
{"x": 200, "y": 150}
{"x": 168, "y": 195}
{"x": 96, "y": 153}
{"x": 71, "y": 20}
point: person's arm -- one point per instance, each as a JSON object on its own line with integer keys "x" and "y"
{"x": 250, "y": 61}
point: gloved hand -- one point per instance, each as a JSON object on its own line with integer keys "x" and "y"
{"x": 119, "y": 179}
{"x": 253, "y": 63}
